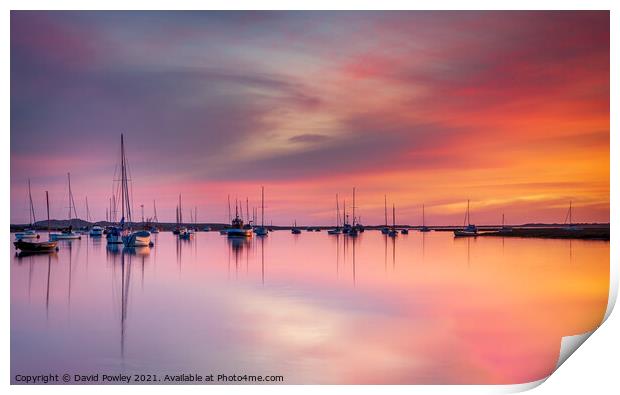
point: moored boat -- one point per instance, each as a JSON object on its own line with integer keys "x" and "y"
{"x": 237, "y": 228}
{"x": 37, "y": 246}
{"x": 295, "y": 230}
{"x": 96, "y": 231}
{"x": 68, "y": 233}
{"x": 468, "y": 231}
{"x": 29, "y": 233}
{"x": 424, "y": 228}
{"x": 393, "y": 232}
{"x": 261, "y": 230}
{"x": 34, "y": 247}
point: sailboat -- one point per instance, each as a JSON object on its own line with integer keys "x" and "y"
{"x": 424, "y": 228}
{"x": 295, "y": 230}
{"x": 346, "y": 227}
{"x": 184, "y": 232}
{"x": 393, "y": 232}
{"x": 154, "y": 228}
{"x": 569, "y": 219}
{"x": 130, "y": 238}
{"x": 336, "y": 230}
{"x": 261, "y": 230}
{"x": 38, "y": 246}
{"x": 29, "y": 233}
{"x": 469, "y": 230}
{"x": 385, "y": 230}
{"x": 68, "y": 233}
{"x": 354, "y": 228}
{"x": 504, "y": 228}
{"x": 237, "y": 228}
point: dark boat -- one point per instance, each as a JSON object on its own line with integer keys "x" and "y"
{"x": 36, "y": 246}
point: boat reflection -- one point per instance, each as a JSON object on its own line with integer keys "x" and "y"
{"x": 236, "y": 247}
{"x": 142, "y": 251}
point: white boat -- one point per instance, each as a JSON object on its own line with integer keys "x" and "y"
{"x": 66, "y": 234}
{"x": 96, "y": 231}
{"x": 468, "y": 231}
{"x": 26, "y": 234}
{"x": 261, "y": 230}
{"x": 141, "y": 238}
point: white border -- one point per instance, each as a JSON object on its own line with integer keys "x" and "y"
{"x": 593, "y": 368}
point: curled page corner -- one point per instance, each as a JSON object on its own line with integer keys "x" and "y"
{"x": 569, "y": 345}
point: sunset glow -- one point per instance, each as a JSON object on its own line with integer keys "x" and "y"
{"x": 508, "y": 109}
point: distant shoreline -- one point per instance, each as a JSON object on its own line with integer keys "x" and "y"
{"x": 592, "y": 231}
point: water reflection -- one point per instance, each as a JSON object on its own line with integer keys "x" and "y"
{"x": 288, "y": 313}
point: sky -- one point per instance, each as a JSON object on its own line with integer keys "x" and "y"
{"x": 507, "y": 109}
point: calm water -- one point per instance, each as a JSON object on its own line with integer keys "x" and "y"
{"x": 424, "y": 308}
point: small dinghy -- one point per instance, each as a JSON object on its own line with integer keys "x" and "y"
{"x": 36, "y": 246}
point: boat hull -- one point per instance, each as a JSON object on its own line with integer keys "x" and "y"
{"x": 26, "y": 235}
{"x": 137, "y": 239}
{"x": 239, "y": 232}
{"x": 465, "y": 233}
{"x": 114, "y": 238}
{"x": 65, "y": 236}
{"x": 260, "y": 231}
{"x": 43, "y": 246}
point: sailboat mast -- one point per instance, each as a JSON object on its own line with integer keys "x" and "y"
{"x": 262, "y": 206}
{"x": 122, "y": 179}
{"x": 87, "y": 210}
{"x": 47, "y": 203}
{"x": 180, "y": 211}
{"x": 229, "y": 217}
{"x": 423, "y": 223}
{"x": 393, "y": 216}
{"x": 337, "y": 212}
{"x": 353, "y": 206}
{"x": 247, "y": 209}
{"x": 385, "y": 207}
{"x": 570, "y": 213}
{"x": 31, "y": 213}
{"x": 154, "y": 212}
